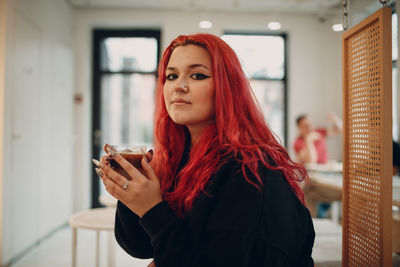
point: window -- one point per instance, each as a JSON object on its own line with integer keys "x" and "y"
{"x": 124, "y": 81}
{"x": 263, "y": 59}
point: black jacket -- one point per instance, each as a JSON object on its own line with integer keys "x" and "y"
{"x": 235, "y": 224}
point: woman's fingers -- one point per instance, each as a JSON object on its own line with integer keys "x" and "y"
{"x": 148, "y": 170}
{"x": 109, "y": 172}
{"x": 140, "y": 194}
{"x": 149, "y": 155}
{"x": 105, "y": 159}
{"x": 111, "y": 186}
{"x": 116, "y": 177}
{"x": 150, "y": 174}
{"x": 105, "y": 148}
{"x": 99, "y": 173}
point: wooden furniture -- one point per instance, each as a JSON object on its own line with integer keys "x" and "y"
{"x": 331, "y": 167}
{"x": 329, "y": 188}
{"x": 367, "y": 149}
{"x": 334, "y": 183}
{"x": 100, "y": 219}
{"x": 324, "y": 187}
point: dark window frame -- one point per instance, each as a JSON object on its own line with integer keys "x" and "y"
{"x": 285, "y": 72}
{"x": 98, "y": 36}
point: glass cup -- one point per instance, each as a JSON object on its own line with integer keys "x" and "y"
{"x": 133, "y": 154}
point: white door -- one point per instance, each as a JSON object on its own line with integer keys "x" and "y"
{"x": 25, "y": 137}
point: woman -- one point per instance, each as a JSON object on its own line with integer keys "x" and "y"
{"x": 220, "y": 190}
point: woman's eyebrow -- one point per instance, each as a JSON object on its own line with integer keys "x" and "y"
{"x": 192, "y": 66}
{"x": 197, "y": 65}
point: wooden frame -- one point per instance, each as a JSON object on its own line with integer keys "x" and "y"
{"x": 358, "y": 176}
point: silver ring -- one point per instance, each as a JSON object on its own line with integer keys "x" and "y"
{"x": 125, "y": 186}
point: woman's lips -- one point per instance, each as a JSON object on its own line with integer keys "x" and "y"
{"x": 180, "y": 102}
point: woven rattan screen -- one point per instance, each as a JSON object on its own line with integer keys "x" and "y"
{"x": 367, "y": 153}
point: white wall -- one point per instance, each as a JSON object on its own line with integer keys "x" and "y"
{"x": 314, "y": 58}
{"x": 36, "y": 195}
{"x": 2, "y": 89}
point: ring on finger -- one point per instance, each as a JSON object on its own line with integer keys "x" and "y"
{"x": 125, "y": 186}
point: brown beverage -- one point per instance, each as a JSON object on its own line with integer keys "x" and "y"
{"x": 134, "y": 156}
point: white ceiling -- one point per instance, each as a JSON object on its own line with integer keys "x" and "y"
{"x": 284, "y": 6}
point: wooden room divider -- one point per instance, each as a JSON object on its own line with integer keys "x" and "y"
{"x": 367, "y": 149}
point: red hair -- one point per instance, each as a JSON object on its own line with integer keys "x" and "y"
{"x": 239, "y": 131}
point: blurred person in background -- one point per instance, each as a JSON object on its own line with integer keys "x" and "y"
{"x": 310, "y": 145}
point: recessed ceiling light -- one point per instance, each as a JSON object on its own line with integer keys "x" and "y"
{"x": 337, "y": 27}
{"x": 274, "y": 25}
{"x": 205, "y": 24}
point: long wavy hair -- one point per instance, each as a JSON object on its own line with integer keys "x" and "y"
{"x": 239, "y": 131}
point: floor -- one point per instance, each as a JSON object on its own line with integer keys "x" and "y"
{"x": 327, "y": 250}
{"x": 56, "y": 250}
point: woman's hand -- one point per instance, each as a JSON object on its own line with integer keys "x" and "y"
{"x": 152, "y": 264}
{"x": 139, "y": 194}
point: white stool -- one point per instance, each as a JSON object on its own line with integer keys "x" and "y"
{"x": 100, "y": 219}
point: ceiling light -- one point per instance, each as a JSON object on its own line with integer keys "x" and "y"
{"x": 274, "y": 25}
{"x": 205, "y": 24}
{"x": 337, "y": 27}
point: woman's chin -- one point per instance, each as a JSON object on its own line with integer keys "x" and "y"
{"x": 179, "y": 121}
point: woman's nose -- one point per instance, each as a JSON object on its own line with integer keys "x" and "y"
{"x": 181, "y": 86}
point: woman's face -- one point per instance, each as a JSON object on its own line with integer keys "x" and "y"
{"x": 189, "y": 87}
{"x": 305, "y": 127}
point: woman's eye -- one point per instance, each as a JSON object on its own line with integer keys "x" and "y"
{"x": 171, "y": 77}
{"x": 199, "y": 76}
